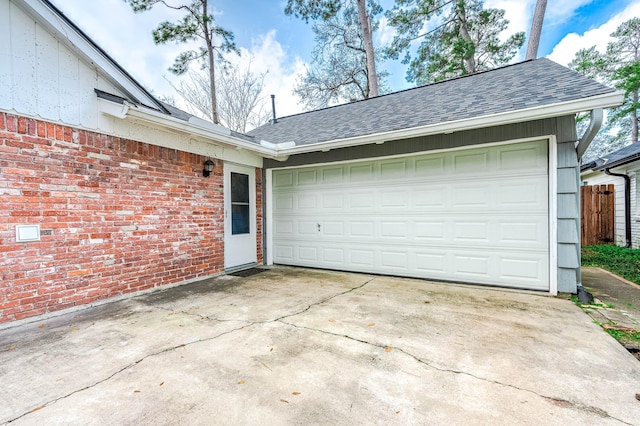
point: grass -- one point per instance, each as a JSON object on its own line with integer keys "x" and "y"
{"x": 624, "y": 262}
{"x": 577, "y": 301}
{"x": 625, "y": 337}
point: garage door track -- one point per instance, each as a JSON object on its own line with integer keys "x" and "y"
{"x": 299, "y": 346}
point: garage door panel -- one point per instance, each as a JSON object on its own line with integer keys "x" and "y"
{"x": 332, "y": 175}
{"x": 283, "y": 202}
{"x": 471, "y": 267}
{"x": 477, "y": 215}
{"x": 333, "y": 256}
{"x": 332, "y": 201}
{"x": 361, "y": 172}
{"x": 283, "y": 179}
{"x": 522, "y": 157}
{"x": 362, "y": 257}
{"x": 465, "y": 196}
{"x": 429, "y": 230}
{"x": 486, "y": 266}
{"x": 391, "y": 260}
{"x": 429, "y": 197}
{"x": 522, "y": 269}
{"x": 307, "y": 177}
{"x": 470, "y": 162}
{"x": 361, "y": 229}
{"x": 397, "y": 199}
{"x": 472, "y": 230}
{"x": 431, "y": 263}
{"x": 361, "y": 200}
{"x": 431, "y": 166}
{"x": 393, "y": 169}
{"x": 306, "y": 253}
{"x": 306, "y": 202}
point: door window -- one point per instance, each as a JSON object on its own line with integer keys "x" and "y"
{"x": 240, "y": 212}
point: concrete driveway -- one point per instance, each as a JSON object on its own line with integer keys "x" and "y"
{"x": 299, "y": 346}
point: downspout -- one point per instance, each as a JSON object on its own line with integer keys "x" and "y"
{"x": 627, "y": 204}
{"x": 595, "y": 123}
{"x": 594, "y": 126}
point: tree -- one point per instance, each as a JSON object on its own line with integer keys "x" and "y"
{"x": 197, "y": 24}
{"x": 325, "y": 10}
{"x": 536, "y": 30}
{"x": 339, "y": 69}
{"x": 242, "y": 103}
{"x": 618, "y": 66}
{"x": 461, "y": 37}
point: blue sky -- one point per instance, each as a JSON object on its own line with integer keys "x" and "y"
{"x": 282, "y": 44}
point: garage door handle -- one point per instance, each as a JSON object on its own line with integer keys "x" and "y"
{"x": 318, "y": 227}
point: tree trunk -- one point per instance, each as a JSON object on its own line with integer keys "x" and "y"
{"x": 212, "y": 71}
{"x": 469, "y": 62}
{"x": 367, "y": 36}
{"x": 634, "y": 119}
{"x": 536, "y": 30}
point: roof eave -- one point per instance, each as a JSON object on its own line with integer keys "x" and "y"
{"x": 195, "y": 127}
{"x": 606, "y": 100}
{"x": 622, "y": 162}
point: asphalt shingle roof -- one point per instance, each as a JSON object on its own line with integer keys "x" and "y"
{"x": 622, "y": 156}
{"x": 524, "y": 85}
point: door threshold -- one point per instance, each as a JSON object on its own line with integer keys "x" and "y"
{"x": 240, "y": 267}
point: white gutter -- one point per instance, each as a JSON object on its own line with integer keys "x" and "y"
{"x": 195, "y": 126}
{"x": 500, "y": 119}
{"x": 282, "y": 151}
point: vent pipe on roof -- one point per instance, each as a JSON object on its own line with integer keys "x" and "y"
{"x": 273, "y": 108}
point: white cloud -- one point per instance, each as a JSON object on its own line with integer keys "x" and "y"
{"x": 518, "y": 13}
{"x": 127, "y": 38}
{"x": 559, "y": 11}
{"x": 566, "y": 49}
{"x": 266, "y": 54}
{"x": 385, "y": 32}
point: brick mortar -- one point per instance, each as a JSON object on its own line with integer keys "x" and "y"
{"x": 117, "y": 217}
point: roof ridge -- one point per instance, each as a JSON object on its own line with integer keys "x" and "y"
{"x": 410, "y": 89}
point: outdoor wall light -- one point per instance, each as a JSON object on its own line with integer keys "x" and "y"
{"x": 208, "y": 168}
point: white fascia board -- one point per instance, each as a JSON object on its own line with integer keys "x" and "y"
{"x": 500, "y": 119}
{"x": 199, "y": 128}
{"x": 79, "y": 44}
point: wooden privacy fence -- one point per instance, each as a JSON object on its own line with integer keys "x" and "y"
{"x": 597, "y": 214}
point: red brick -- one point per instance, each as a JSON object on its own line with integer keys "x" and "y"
{"x": 89, "y": 256}
{"x": 22, "y": 125}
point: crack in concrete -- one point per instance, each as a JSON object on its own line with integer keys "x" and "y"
{"x": 130, "y": 365}
{"x": 165, "y": 350}
{"x": 555, "y": 401}
{"x": 326, "y": 299}
{"x": 201, "y": 316}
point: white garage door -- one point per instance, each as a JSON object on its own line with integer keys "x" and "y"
{"x": 475, "y": 215}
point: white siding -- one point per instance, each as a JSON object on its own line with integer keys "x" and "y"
{"x": 42, "y": 77}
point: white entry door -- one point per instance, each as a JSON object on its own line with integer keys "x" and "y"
{"x": 240, "y": 215}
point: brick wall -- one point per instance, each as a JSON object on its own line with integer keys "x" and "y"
{"x": 117, "y": 216}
